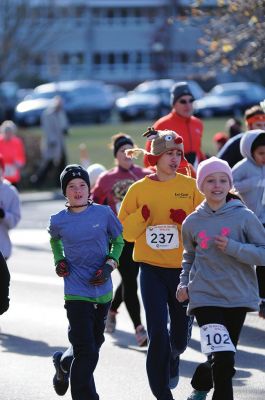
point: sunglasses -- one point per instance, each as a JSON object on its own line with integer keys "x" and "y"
{"x": 183, "y": 101}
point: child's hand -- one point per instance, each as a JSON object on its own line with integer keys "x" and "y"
{"x": 182, "y": 294}
{"x": 103, "y": 274}
{"x": 221, "y": 242}
{"x": 178, "y": 215}
{"x": 145, "y": 212}
{"x": 62, "y": 268}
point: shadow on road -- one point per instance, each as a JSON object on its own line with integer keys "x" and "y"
{"x": 20, "y": 345}
{"x": 253, "y": 336}
{"x": 126, "y": 340}
{"x": 244, "y": 359}
{"x": 34, "y": 248}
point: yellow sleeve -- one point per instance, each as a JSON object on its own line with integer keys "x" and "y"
{"x": 130, "y": 215}
{"x": 198, "y": 197}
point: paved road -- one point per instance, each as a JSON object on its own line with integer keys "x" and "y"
{"x": 36, "y": 326}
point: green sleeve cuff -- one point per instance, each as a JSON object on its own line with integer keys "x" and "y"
{"x": 57, "y": 249}
{"x": 116, "y": 248}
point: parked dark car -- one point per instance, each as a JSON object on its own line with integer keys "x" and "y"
{"x": 230, "y": 99}
{"x": 150, "y": 100}
{"x": 84, "y": 101}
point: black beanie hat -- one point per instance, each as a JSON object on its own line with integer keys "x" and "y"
{"x": 73, "y": 171}
{"x": 178, "y": 90}
{"x": 121, "y": 141}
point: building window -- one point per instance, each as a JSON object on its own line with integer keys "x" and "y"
{"x": 21, "y": 11}
{"x": 111, "y": 59}
{"x": 37, "y": 60}
{"x": 138, "y": 14}
{"x": 180, "y": 57}
{"x": 65, "y": 58}
{"x": 80, "y": 11}
{"x": 79, "y": 57}
{"x": 124, "y": 13}
{"x": 96, "y": 13}
{"x": 110, "y": 15}
{"x": 138, "y": 59}
{"x": 125, "y": 58}
{"x": 151, "y": 15}
{"x": 97, "y": 59}
{"x": 183, "y": 57}
{"x": 65, "y": 12}
{"x": 51, "y": 12}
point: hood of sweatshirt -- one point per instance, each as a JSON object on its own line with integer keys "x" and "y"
{"x": 247, "y": 141}
{"x": 228, "y": 209}
{"x": 221, "y": 278}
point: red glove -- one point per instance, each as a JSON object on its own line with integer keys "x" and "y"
{"x": 178, "y": 215}
{"x": 102, "y": 275}
{"x": 62, "y": 269}
{"x": 145, "y": 212}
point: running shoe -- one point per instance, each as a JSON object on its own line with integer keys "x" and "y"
{"x": 198, "y": 395}
{"x": 111, "y": 322}
{"x": 262, "y": 309}
{"x": 141, "y": 336}
{"x": 60, "y": 379}
{"x": 174, "y": 373}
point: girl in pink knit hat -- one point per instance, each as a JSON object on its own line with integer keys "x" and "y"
{"x": 223, "y": 241}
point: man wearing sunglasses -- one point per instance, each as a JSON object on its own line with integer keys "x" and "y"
{"x": 182, "y": 121}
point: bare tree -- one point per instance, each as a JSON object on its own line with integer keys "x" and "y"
{"x": 23, "y": 36}
{"x": 233, "y": 36}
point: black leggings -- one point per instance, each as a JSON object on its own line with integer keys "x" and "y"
{"x": 260, "y": 272}
{"x": 127, "y": 290}
{"x": 47, "y": 166}
{"x": 219, "y": 370}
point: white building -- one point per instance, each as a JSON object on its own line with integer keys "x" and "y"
{"x": 118, "y": 41}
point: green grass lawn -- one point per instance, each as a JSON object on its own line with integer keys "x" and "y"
{"x": 97, "y": 138}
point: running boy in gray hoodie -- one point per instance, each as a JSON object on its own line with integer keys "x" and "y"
{"x": 223, "y": 240}
{"x": 249, "y": 181}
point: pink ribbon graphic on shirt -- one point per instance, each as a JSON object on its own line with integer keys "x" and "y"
{"x": 225, "y": 231}
{"x": 204, "y": 239}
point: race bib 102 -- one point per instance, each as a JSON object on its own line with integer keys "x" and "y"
{"x": 162, "y": 237}
{"x": 214, "y": 338}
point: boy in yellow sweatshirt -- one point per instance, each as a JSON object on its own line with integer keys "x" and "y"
{"x": 152, "y": 213}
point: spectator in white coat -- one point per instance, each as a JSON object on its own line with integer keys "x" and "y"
{"x": 55, "y": 127}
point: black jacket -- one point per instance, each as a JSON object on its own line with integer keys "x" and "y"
{"x": 4, "y": 285}
{"x": 230, "y": 152}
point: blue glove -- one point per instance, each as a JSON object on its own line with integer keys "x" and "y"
{"x": 102, "y": 275}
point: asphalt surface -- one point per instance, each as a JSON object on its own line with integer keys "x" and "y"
{"x": 35, "y": 326}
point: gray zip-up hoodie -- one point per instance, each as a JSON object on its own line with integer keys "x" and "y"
{"x": 249, "y": 178}
{"x": 10, "y": 203}
{"x": 222, "y": 278}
